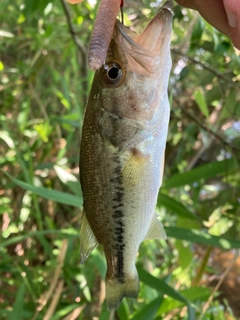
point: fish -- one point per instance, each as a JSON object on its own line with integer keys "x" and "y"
{"x": 122, "y": 151}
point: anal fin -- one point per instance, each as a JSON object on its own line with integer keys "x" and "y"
{"x": 88, "y": 241}
{"x": 156, "y": 230}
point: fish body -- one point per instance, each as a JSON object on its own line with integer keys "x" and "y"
{"x": 122, "y": 151}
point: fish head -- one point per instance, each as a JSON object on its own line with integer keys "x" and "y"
{"x": 147, "y": 54}
{"x": 134, "y": 78}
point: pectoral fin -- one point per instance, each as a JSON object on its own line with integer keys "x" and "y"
{"x": 135, "y": 170}
{"x": 156, "y": 230}
{"x": 88, "y": 241}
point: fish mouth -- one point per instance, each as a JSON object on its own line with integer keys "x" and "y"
{"x": 146, "y": 53}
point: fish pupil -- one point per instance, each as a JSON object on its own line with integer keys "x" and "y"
{"x": 114, "y": 73}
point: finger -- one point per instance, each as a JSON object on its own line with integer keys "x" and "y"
{"x": 187, "y": 4}
{"x": 212, "y": 11}
{"x": 74, "y": 1}
{"x": 232, "y": 9}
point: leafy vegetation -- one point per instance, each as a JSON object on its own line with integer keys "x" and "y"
{"x": 43, "y": 89}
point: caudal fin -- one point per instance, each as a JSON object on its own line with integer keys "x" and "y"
{"x": 116, "y": 290}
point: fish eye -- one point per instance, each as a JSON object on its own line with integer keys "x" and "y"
{"x": 112, "y": 73}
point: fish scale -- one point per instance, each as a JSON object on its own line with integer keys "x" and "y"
{"x": 122, "y": 151}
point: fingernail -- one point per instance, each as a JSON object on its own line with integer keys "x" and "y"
{"x": 232, "y": 18}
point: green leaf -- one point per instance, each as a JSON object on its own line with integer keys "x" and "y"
{"x": 204, "y": 172}
{"x": 201, "y": 101}
{"x": 99, "y": 261}
{"x": 149, "y": 310}
{"x": 192, "y": 294}
{"x": 185, "y": 254}
{"x": 197, "y": 31}
{"x": 196, "y": 293}
{"x": 50, "y": 194}
{"x": 44, "y": 130}
{"x": 69, "y": 179}
{"x": 105, "y": 313}
{"x": 164, "y": 288}
{"x": 201, "y": 237}
{"x": 174, "y": 206}
{"x": 64, "y": 311}
{"x": 160, "y": 286}
{"x": 123, "y": 310}
{"x": 230, "y": 104}
{"x": 65, "y": 232}
{"x": 1, "y": 66}
{"x": 18, "y": 305}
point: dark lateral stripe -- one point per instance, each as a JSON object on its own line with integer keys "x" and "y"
{"x": 117, "y": 181}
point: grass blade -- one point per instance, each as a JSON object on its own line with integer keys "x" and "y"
{"x": 65, "y": 232}
{"x": 55, "y": 195}
{"x": 17, "y": 311}
{"x": 149, "y": 310}
{"x": 69, "y": 179}
{"x": 174, "y": 206}
{"x": 201, "y": 101}
{"x": 160, "y": 286}
{"x": 204, "y": 172}
{"x": 198, "y": 236}
{"x": 194, "y": 294}
{"x": 164, "y": 288}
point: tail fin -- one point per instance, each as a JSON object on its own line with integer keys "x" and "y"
{"x": 116, "y": 290}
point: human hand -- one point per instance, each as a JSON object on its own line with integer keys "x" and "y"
{"x": 224, "y": 15}
{"x": 74, "y": 1}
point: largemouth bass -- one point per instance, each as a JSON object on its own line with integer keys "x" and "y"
{"x": 122, "y": 151}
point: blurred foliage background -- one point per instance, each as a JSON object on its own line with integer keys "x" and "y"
{"x": 44, "y": 83}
